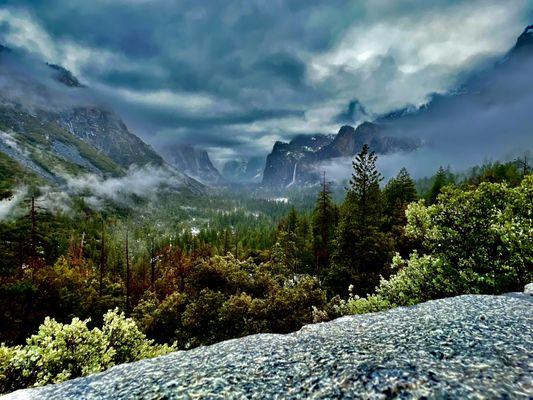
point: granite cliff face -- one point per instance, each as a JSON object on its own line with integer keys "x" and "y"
{"x": 44, "y": 151}
{"x": 105, "y": 130}
{"x": 456, "y": 348}
{"x": 293, "y": 163}
{"x": 244, "y": 170}
{"x": 297, "y": 162}
{"x": 192, "y": 161}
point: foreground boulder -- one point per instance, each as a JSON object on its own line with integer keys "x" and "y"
{"x": 462, "y": 347}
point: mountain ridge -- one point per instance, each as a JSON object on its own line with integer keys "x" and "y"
{"x": 53, "y": 131}
{"x": 193, "y": 161}
{"x": 298, "y": 162}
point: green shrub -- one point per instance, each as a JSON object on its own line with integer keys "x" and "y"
{"x": 225, "y": 298}
{"x": 58, "y": 352}
{"x": 474, "y": 241}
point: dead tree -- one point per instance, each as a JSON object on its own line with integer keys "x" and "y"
{"x": 127, "y": 277}
{"x": 102, "y": 260}
{"x": 33, "y": 242}
{"x": 153, "y": 261}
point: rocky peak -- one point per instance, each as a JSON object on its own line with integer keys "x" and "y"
{"x": 525, "y": 39}
{"x": 297, "y": 162}
{"x": 64, "y": 76}
{"x": 192, "y": 161}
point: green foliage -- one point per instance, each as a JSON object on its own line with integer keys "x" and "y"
{"x": 325, "y": 220}
{"x": 442, "y": 178}
{"x": 362, "y": 248}
{"x": 225, "y": 297}
{"x": 58, "y": 352}
{"x": 399, "y": 192}
{"x": 474, "y": 241}
{"x": 226, "y": 265}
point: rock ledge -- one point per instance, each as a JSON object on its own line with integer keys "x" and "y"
{"x": 461, "y": 347}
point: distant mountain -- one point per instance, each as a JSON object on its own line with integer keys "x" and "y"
{"x": 106, "y": 131}
{"x": 349, "y": 142}
{"x": 192, "y": 161}
{"x": 51, "y": 127}
{"x": 244, "y": 170}
{"x": 72, "y": 108}
{"x": 298, "y": 161}
{"x": 491, "y": 108}
{"x": 46, "y": 151}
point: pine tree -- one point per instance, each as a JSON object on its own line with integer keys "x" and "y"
{"x": 364, "y": 183}
{"x": 291, "y": 223}
{"x": 287, "y": 241}
{"x": 127, "y": 276}
{"x": 362, "y": 249}
{"x": 441, "y": 179}
{"x": 324, "y": 221}
{"x": 398, "y": 193}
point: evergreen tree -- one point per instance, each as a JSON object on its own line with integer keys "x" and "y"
{"x": 364, "y": 191}
{"x": 400, "y": 190}
{"x": 398, "y": 193}
{"x": 324, "y": 223}
{"x": 362, "y": 249}
{"x": 291, "y": 242}
{"x": 291, "y": 224}
{"x": 441, "y": 179}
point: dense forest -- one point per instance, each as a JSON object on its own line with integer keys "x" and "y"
{"x": 83, "y": 289}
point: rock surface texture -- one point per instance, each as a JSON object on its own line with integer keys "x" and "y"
{"x": 462, "y": 347}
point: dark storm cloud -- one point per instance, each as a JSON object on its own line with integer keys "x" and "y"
{"x": 235, "y": 75}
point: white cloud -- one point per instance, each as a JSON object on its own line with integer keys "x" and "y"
{"x": 8, "y": 206}
{"x": 23, "y": 31}
{"x": 188, "y": 103}
{"x": 139, "y": 181}
{"x": 400, "y": 60}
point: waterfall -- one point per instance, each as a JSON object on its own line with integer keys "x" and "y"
{"x": 293, "y": 176}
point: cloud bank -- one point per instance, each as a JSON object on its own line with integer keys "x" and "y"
{"x": 234, "y": 76}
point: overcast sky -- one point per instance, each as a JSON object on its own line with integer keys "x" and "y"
{"x": 234, "y": 76}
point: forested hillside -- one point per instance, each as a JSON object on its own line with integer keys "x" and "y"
{"x": 229, "y": 266}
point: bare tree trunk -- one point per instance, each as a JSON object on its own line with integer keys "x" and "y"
{"x": 102, "y": 260}
{"x": 127, "y": 277}
{"x": 80, "y": 256}
{"x": 33, "y": 230}
{"x": 152, "y": 266}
